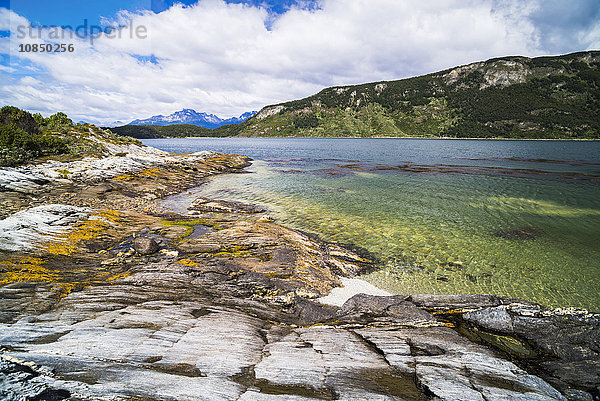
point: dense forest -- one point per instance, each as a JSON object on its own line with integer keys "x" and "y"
{"x": 164, "y": 131}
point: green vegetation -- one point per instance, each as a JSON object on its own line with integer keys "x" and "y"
{"x": 25, "y": 137}
{"x": 510, "y": 97}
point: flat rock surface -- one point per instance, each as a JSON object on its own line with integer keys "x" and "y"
{"x": 106, "y": 296}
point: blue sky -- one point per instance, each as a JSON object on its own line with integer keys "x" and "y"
{"x": 73, "y": 12}
{"x": 228, "y": 57}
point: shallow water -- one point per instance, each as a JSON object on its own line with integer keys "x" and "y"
{"x": 513, "y": 218}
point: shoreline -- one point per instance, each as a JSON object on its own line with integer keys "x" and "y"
{"x": 381, "y": 137}
{"x": 100, "y": 272}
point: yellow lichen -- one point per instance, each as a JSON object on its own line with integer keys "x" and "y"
{"x": 65, "y": 289}
{"x": 118, "y": 276}
{"x": 29, "y": 269}
{"x": 188, "y": 262}
{"x": 124, "y": 177}
{"x": 63, "y": 173}
{"x": 151, "y": 172}
{"x": 67, "y": 244}
{"x": 113, "y": 216}
{"x": 36, "y": 269}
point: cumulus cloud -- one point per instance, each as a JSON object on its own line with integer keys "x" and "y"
{"x": 230, "y": 58}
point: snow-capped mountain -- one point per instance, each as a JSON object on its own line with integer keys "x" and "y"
{"x": 189, "y": 116}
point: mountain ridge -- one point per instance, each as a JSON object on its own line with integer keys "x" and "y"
{"x": 550, "y": 97}
{"x": 504, "y": 97}
{"x": 192, "y": 117}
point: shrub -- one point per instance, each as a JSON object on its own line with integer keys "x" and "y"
{"x": 20, "y": 118}
{"x": 58, "y": 120}
{"x": 18, "y": 146}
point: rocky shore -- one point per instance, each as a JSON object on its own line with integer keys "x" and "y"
{"x": 107, "y": 295}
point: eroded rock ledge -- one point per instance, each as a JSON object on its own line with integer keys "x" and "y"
{"x": 106, "y": 296}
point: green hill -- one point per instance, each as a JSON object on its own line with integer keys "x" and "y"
{"x": 164, "y": 131}
{"x": 508, "y": 97}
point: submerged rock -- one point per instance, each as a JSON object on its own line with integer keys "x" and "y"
{"x": 560, "y": 345}
{"x": 211, "y": 205}
{"x": 525, "y": 233}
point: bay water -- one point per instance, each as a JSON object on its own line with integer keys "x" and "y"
{"x": 443, "y": 216}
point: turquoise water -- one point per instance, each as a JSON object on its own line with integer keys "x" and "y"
{"x": 513, "y": 218}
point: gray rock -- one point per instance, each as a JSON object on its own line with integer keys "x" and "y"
{"x": 566, "y": 339}
{"x": 145, "y": 245}
{"x": 198, "y": 245}
{"x": 13, "y": 180}
{"x": 363, "y": 308}
{"x": 578, "y": 395}
{"x": 22, "y": 381}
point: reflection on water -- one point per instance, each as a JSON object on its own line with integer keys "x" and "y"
{"x": 513, "y": 218}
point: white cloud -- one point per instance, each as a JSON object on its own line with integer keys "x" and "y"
{"x": 221, "y": 58}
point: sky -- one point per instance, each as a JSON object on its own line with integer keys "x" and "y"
{"x": 150, "y": 57}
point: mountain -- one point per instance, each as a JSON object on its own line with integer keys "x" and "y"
{"x": 192, "y": 117}
{"x": 117, "y": 123}
{"x": 508, "y": 97}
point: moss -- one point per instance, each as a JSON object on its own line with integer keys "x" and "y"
{"x": 234, "y": 254}
{"x": 190, "y": 223}
{"x": 63, "y": 173}
{"x": 236, "y": 251}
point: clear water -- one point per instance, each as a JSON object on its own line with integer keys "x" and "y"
{"x": 513, "y": 218}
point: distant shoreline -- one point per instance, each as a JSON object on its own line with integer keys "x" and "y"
{"x": 380, "y": 137}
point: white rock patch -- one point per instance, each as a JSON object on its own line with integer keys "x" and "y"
{"x": 23, "y": 230}
{"x": 13, "y": 180}
{"x": 350, "y": 287}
